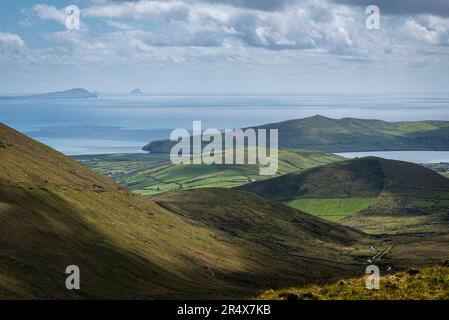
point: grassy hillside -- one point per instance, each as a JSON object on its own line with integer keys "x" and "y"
{"x": 412, "y": 284}
{"x": 399, "y": 189}
{"x": 332, "y": 209}
{"x": 350, "y": 135}
{"x": 271, "y": 234}
{"x": 204, "y": 243}
{"x": 150, "y": 174}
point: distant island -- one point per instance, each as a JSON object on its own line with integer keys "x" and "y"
{"x": 77, "y": 93}
{"x": 136, "y": 91}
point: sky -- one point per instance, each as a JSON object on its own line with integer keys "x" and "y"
{"x": 225, "y": 46}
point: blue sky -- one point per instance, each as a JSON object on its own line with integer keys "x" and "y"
{"x": 225, "y": 45}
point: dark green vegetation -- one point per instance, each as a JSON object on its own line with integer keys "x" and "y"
{"x": 150, "y": 174}
{"x": 350, "y": 135}
{"x": 403, "y": 191}
{"x": 413, "y": 284}
{"x": 209, "y": 243}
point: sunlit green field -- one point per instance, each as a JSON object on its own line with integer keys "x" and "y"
{"x": 150, "y": 174}
{"x": 331, "y": 209}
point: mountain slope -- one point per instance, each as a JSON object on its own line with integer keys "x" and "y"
{"x": 395, "y": 188}
{"x": 350, "y": 135}
{"x": 205, "y": 243}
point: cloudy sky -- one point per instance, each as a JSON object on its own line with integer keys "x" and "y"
{"x": 225, "y": 46}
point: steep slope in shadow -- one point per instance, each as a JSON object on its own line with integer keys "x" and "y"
{"x": 42, "y": 233}
{"x": 281, "y": 243}
{"x": 216, "y": 244}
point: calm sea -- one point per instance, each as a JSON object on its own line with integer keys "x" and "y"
{"x": 116, "y": 123}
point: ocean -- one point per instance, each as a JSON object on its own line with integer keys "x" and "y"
{"x": 121, "y": 123}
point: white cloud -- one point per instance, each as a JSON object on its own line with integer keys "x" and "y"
{"x": 13, "y": 50}
{"x": 420, "y": 32}
{"x": 10, "y": 39}
{"x": 308, "y": 39}
{"x": 118, "y": 25}
{"x": 311, "y": 25}
{"x": 429, "y": 29}
{"x": 47, "y": 12}
{"x": 182, "y": 31}
{"x": 136, "y": 10}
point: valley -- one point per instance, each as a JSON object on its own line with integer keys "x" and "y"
{"x": 185, "y": 157}
{"x": 320, "y": 220}
{"x": 54, "y": 212}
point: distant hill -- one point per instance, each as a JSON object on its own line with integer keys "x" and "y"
{"x": 372, "y": 186}
{"x": 350, "y": 135}
{"x": 204, "y": 243}
{"x": 77, "y": 93}
{"x": 136, "y": 91}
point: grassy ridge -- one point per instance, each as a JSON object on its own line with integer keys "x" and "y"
{"x": 350, "y": 135}
{"x": 414, "y": 284}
